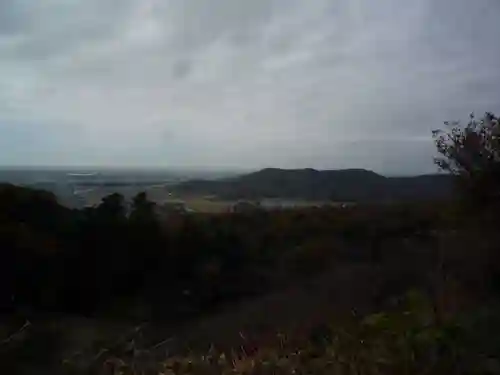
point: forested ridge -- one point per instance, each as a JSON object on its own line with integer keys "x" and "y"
{"x": 345, "y": 185}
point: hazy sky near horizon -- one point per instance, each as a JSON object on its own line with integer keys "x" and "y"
{"x": 238, "y": 83}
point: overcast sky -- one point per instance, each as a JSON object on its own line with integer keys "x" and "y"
{"x": 239, "y": 83}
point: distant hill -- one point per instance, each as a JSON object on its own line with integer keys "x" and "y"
{"x": 356, "y": 185}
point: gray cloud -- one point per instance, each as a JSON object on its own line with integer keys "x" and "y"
{"x": 322, "y": 83}
{"x": 181, "y": 69}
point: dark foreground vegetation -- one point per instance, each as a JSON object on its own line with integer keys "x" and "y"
{"x": 373, "y": 289}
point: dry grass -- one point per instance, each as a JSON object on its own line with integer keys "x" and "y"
{"x": 406, "y": 341}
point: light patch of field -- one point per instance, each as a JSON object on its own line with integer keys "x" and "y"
{"x": 201, "y": 204}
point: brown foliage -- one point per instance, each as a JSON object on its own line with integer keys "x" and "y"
{"x": 472, "y": 154}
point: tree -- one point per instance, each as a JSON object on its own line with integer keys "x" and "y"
{"x": 112, "y": 208}
{"x": 472, "y": 154}
{"x": 143, "y": 210}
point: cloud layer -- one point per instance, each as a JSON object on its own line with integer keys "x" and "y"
{"x": 234, "y": 83}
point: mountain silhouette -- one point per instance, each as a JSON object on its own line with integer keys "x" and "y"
{"x": 355, "y": 185}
